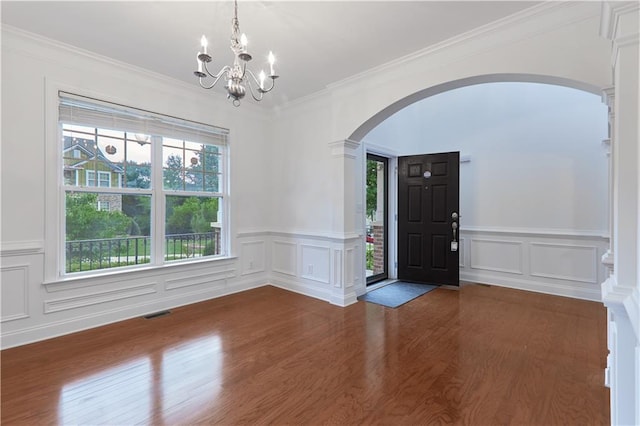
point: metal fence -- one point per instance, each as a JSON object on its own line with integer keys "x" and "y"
{"x": 87, "y": 255}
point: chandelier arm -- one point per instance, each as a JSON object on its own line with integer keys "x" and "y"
{"x": 244, "y": 71}
{"x": 273, "y": 83}
{"x": 253, "y": 76}
{"x": 261, "y": 90}
{"x": 216, "y": 77}
{"x": 253, "y": 95}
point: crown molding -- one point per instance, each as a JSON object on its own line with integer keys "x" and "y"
{"x": 55, "y": 44}
{"x": 610, "y": 14}
{"x": 50, "y": 47}
{"x": 319, "y": 96}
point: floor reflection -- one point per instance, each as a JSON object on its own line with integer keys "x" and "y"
{"x": 115, "y": 395}
{"x": 170, "y": 385}
{"x": 191, "y": 378}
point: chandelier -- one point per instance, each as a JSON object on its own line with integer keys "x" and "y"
{"x": 237, "y": 76}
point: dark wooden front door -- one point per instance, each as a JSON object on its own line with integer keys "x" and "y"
{"x": 428, "y": 218}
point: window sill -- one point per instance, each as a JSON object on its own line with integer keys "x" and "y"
{"x": 105, "y": 276}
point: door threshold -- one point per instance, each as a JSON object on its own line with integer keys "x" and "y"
{"x": 381, "y": 284}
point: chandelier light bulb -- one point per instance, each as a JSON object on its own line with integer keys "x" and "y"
{"x": 243, "y": 41}
{"x": 262, "y": 76}
{"x": 272, "y": 60}
{"x": 204, "y": 43}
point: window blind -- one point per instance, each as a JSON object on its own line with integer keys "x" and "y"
{"x": 83, "y": 111}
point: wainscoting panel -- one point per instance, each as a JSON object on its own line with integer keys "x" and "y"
{"x": 210, "y": 278}
{"x": 461, "y": 249}
{"x": 563, "y": 263}
{"x": 496, "y": 255}
{"x": 315, "y": 263}
{"x": 338, "y": 268}
{"x": 15, "y": 294}
{"x": 284, "y": 258}
{"x": 100, "y": 297}
{"x": 253, "y": 257}
{"x": 324, "y": 267}
{"x": 349, "y": 266}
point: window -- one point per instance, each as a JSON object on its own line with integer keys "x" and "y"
{"x": 104, "y": 179}
{"x": 137, "y": 166}
{"x": 104, "y": 205}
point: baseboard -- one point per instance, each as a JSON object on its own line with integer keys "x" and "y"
{"x": 300, "y": 287}
{"x": 534, "y": 286}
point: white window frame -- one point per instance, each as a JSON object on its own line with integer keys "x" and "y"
{"x": 55, "y": 199}
{"x": 100, "y": 175}
{"x": 90, "y": 176}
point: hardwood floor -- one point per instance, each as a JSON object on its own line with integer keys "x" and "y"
{"x": 479, "y": 356}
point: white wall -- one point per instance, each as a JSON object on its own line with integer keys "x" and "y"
{"x": 36, "y": 304}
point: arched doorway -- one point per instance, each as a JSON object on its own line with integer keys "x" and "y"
{"x": 541, "y": 148}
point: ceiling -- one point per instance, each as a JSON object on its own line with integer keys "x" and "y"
{"x": 315, "y": 43}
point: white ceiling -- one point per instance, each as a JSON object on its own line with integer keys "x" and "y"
{"x": 315, "y": 43}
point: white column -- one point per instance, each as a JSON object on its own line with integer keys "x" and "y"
{"x": 608, "y": 97}
{"x": 347, "y": 246}
{"x": 620, "y": 292}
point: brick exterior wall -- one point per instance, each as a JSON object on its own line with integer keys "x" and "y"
{"x": 378, "y": 249}
{"x": 114, "y": 200}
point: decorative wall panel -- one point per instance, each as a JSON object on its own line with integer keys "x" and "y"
{"x": 564, "y": 262}
{"x": 496, "y": 255}
{"x": 14, "y": 282}
{"x": 284, "y": 258}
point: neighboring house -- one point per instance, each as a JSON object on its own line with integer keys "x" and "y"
{"x": 86, "y": 165}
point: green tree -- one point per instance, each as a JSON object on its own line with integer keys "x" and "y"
{"x": 172, "y": 173}
{"x": 85, "y": 222}
{"x": 372, "y": 188}
{"x": 138, "y": 208}
{"x": 137, "y": 175}
{"x": 180, "y": 213}
{"x": 187, "y": 215}
{"x": 207, "y": 213}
